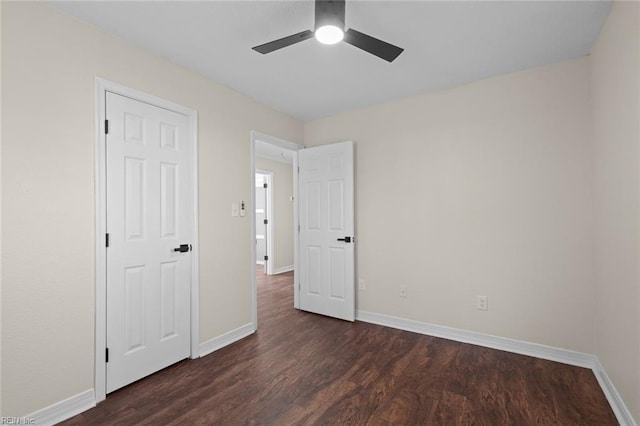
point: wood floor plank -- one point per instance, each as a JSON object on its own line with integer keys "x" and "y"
{"x": 304, "y": 369}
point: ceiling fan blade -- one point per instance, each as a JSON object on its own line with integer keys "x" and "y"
{"x": 283, "y": 42}
{"x": 380, "y": 48}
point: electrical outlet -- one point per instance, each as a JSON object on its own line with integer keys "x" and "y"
{"x": 482, "y": 303}
{"x": 403, "y": 291}
{"x": 361, "y": 285}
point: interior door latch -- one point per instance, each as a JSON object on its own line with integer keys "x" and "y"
{"x": 183, "y": 248}
{"x": 345, "y": 239}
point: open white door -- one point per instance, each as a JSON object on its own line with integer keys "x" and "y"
{"x": 327, "y": 283}
{"x": 149, "y": 225}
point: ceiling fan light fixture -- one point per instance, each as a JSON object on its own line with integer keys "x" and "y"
{"x": 329, "y": 34}
{"x": 329, "y": 29}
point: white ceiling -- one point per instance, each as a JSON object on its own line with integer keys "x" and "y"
{"x": 447, "y": 43}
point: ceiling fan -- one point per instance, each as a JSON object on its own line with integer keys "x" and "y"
{"x": 329, "y": 29}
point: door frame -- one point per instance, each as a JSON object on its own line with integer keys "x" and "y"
{"x": 257, "y": 136}
{"x": 102, "y": 86}
{"x": 268, "y": 211}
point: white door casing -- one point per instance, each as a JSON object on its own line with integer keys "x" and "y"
{"x": 257, "y": 137}
{"x": 326, "y": 191}
{"x": 149, "y": 214}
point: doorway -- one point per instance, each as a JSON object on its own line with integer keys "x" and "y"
{"x": 148, "y": 173}
{"x": 323, "y": 220}
{"x": 274, "y": 162}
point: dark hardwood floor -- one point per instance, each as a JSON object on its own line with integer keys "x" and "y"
{"x": 301, "y": 368}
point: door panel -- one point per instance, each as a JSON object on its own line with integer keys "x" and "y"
{"x": 327, "y": 284}
{"x": 134, "y": 197}
{"x": 149, "y": 211}
{"x": 168, "y": 275}
{"x": 168, "y": 199}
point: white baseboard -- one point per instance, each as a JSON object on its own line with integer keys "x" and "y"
{"x": 283, "y": 270}
{"x": 551, "y": 353}
{"x": 63, "y": 410}
{"x": 226, "y": 339}
{"x": 502, "y": 343}
{"x": 77, "y": 404}
{"x": 615, "y": 400}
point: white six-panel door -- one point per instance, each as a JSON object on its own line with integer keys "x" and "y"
{"x": 327, "y": 282}
{"x": 149, "y": 211}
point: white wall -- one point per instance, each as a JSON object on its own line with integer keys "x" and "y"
{"x": 282, "y": 211}
{"x": 485, "y": 189}
{"x": 49, "y": 61}
{"x": 615, "y": 89}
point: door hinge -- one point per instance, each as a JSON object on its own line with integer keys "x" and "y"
{"x": 264, "y": 185}
{"x": 298, "y": 228}
{"x": 106, "y": 127}
{"x": 107, "y": 240}
{"x": 266, "y": 221}
{"x": 106, "y": 355}
{"x": 266, "y": 258}
{"x": 298, "y": 169}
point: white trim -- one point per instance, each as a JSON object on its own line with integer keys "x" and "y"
{"x": 64, "y": 409}
{"x": 611, "y": 393}
{"x": 195, "y": 238}
{"x": 296, "y": 232}
{"x": 101, "y": 87}
{"x": 551, "y": 353}
{"x": 252, "y": 148}
{"x": 283, "y": 270}
{"x": 226, "y": 339}
{"x": 100, "y": 179}
{"x": 275, "y": 141}
{"x": 252, "y": 215}
{"x": 502, "y": 343}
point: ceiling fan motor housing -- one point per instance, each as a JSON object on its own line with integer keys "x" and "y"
{"x": 330, "y": 12}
